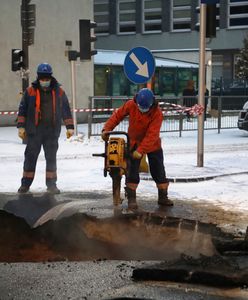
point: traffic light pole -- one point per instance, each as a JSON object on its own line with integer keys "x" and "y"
{"x": 201, "y": 89}
{"x": 73, "y": 89}
{"x": 72, "y": 57}
{"x": 25, "y": 44}
{"x": 85, "y": 53}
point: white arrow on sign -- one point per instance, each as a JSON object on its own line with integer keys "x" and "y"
{"x": 142, "y": 68}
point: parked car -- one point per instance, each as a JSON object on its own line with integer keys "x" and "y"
{"x": 243, "y": 118}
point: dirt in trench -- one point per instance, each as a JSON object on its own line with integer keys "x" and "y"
{"x": 127, "y": 237}
{"x": 54, "y": 241}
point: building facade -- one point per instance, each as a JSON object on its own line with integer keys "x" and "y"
{"x": 56, "y": 28}
{"x": 167, "y": 27}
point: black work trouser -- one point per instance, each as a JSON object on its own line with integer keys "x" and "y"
{"x": 44, "y": 137}
{"x": 156, "y": 165}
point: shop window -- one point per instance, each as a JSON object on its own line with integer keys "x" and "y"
{"x": 167, "y": 82}
{"x": 101, "y": 81}
{"x": 120, "y": 82}
{"x": 184, "y": 75}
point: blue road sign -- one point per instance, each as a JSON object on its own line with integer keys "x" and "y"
{"x": 139, "y": 65}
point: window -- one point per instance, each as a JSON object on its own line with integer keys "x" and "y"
{"x": 126, "y": 20}
{"x": 167, "y": 82}
{"x": 184, "y": 75}
{"x": 217, "y": 15}
{"x": 152, "y": 16}
{"x": 238, "y": 14}
{"x": 181, "y": 15}
{"x": 101, "y": 16}
{"x": 217, "y": 66}
{"x": 101, "y": 80}
{"x": 120, "y": 82}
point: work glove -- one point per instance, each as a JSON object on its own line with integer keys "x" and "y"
{"x": 137, "y": 155}
{"x": 22, "y": 133}
{"x": 105, "y": 136}
{"x": 69, "y": 133}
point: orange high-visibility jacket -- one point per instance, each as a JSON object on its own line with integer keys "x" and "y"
{"x": 29, "y": 109}
{"x": 144, "y": 128}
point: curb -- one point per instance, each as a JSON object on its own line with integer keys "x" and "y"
{"x": 194, "y": 179}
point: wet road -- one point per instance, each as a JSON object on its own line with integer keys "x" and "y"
{"x": 33, "y": 206}
{"x": 97, "y": 280}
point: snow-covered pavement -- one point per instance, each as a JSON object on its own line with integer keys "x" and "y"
{"x": 225, "y": 153}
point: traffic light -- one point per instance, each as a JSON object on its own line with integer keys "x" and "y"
{"x": 28, "y": 21}
{"x": 17, "y": 60}
{"x": 85, "y": 39}
{"x": 197, "y": 25}
{"x": 210, "y": 20}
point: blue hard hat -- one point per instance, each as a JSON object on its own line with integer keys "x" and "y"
{"x": 44, "y": 69}
{"x": 145, "y": 99}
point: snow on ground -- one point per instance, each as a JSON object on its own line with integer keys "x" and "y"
{"x": 225, "y": 153}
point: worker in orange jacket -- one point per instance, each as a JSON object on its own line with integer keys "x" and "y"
{"x": 145, "y": 120}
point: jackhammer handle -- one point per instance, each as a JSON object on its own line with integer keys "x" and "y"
{"x": 99, "y": 154}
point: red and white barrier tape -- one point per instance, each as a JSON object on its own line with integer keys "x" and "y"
{"x": 8, "y": 112}
{"x": 173, "y": 108}
{"x": 196, "y": 109}
{"x": 94, "y": 109}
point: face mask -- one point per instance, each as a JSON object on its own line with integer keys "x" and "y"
{"x": 45, "y": 84}
{"x": 143, "y": 110}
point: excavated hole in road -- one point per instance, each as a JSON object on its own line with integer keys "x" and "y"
{"x": 130, "y": 237}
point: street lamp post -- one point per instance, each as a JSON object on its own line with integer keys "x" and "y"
{"x": 201, "y": 89}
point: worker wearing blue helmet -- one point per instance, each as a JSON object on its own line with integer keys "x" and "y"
{"x": 42, "y": 107}
{"x": 44, "y": 68}
{"x": 145, "y": 120}
{"x": 144, "y": 100}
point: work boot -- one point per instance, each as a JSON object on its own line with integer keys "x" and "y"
{"x": 52, "y": 189}
{"x": 131, "y": 198}
{"x": 163, "y": 199}
{"x": 23, "y": 189}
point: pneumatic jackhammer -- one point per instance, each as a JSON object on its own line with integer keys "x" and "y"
{"x": 116, "y": 157}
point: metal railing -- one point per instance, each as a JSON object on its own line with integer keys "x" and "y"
{"x": 220, "y": 114}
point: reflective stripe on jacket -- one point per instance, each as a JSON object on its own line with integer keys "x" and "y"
{"x": 144, "y": 128}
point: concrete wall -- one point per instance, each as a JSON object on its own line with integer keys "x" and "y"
{"x": 56, "y": 22}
